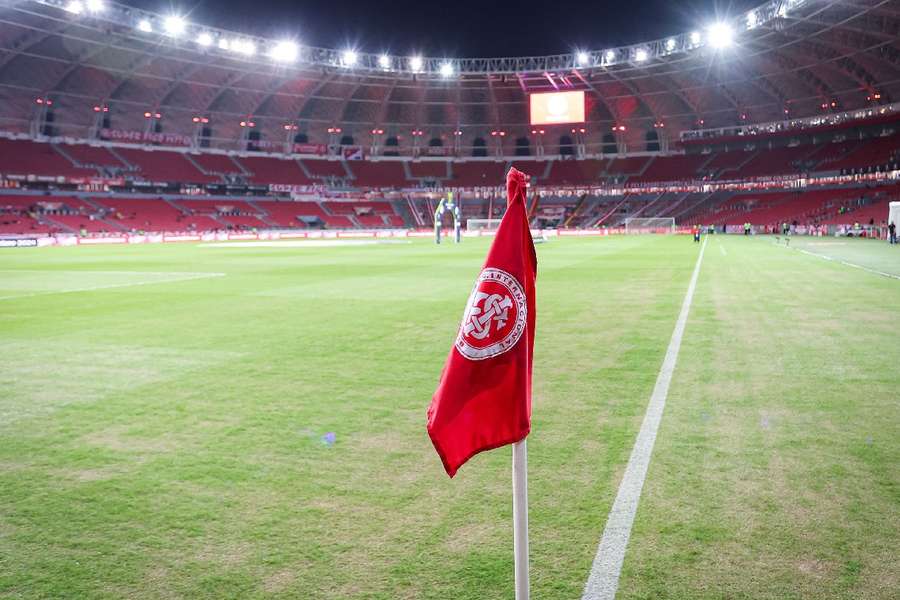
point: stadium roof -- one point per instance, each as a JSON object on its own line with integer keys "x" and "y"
{"x": 797, "y": 58}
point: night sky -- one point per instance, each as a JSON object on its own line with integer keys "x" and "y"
{"x": 457, "y": 29}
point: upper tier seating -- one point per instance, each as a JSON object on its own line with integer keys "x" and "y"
{"x": 672, "y": 168}
{"x": 268, "y": 169}
{"x": 478, "y": 173}
{"x": 325, "y": 168}
{"x": 24, "y": 157}
{"x": 216, "y": 163}
{"x": 378, "y": 173}
{"x": 165, "y": 165}
{"x": 98, "y": 156}
{"x": 430, "y": 169}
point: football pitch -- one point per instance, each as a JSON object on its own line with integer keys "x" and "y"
{"x": 239, "y": 421}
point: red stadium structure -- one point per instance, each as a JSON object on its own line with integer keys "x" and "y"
{"x": 110, "y": 124}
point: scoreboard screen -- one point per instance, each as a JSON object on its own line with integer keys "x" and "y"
{"x": 557, "y": 107}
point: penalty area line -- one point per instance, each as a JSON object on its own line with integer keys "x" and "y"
{"x": 114, "y": 285}
{"x": 603, "y": 581}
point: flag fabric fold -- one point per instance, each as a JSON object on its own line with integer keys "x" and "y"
{"x": 483, "y": 399}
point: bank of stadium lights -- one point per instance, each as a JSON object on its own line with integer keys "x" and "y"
{"x": 285, "y": 51}
{"x": 609, "y": 56}
{"x": 695, "y": 38}
{"x": 752, "y": 19}
{"x": 145, "y": 25}
{"x": 174, "y": 25}
{"x": 446, "y": 70}
{"x": 384, "y": 61}
{"x": 205, "y": 40}
{"x": 582, "y": 58}
{"x": 720, "y": 35}
{"x": 245, "y": 47}
{"x": 641, "y": 55}
{"x": 349, "y": 58}
{"x": 670, "y": 44}
{"x": 416, "y": 63}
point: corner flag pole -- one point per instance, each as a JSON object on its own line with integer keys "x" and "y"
{"x": 520, "y": 517}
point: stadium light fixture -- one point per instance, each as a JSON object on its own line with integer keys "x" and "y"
{"x": 245, "y": 47}
{"x": 447, "y": 69}
{"x": 670, "y": 44}
{"x": 285, "y": 51}
{"x": 720, "y": 36}
{"x": 75, "y": 7}
{"x": 582, "y": 58}
{"x": 95, "y": 6}
{"x": 384, "y": 61}
{"x": 609, "y": 55}
{"x": 205, "y": 39}
{"x": 696, "y": 38}
{"x": 752, "y": 19}
{"x": 641, "y": 55}
{"x": 174, "y": 25}
{"x": 349, "y": 58}
{"x": 145, "y": 25}
{"x": 415, "y": 63}
{"x": 224, "y": 44}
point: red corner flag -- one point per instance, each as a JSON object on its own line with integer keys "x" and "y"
{"x": 483, "y": 400}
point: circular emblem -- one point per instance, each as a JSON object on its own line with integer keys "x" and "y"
{"x": 495, "y": 316}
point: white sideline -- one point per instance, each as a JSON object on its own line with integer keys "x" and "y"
{"x": 186, "y": 277}
{"x": 604, "y": 578}
{"x": 848, "y": 264}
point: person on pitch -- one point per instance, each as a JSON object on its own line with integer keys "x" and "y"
{"x": 892, "y": 233}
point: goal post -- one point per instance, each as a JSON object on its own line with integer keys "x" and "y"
{"x": 650, "y": 225}
{"x": 482, "y": 224}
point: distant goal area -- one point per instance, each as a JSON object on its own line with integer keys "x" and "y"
{"x": 650, "y": 225}
{"x": 473, "y": 225}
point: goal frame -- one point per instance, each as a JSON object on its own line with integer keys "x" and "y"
{"x": 639, "y": 225}
{"x": 489, "y": 224}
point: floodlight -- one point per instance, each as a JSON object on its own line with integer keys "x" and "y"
{"x": 224, "y": 44}
{"x": 583, "y": 58}
{"x": 285, "y": 51}
{"x": 695, "y": 38}
{"x": 752, "y": 19}
{"x": 610, "y": 55}
{"x": 446, "y": 69}
{"x": 720, "y": 35}
{"x": 349, "y": 58}
{"x": 75, "y": 7}
{"x": 384, "y": 61}
{"x": 245, "y": 47}
{"x": 641, "y": 55}
{"x": 174, "y": 25}
{"x": 415, "y": 63}
{"x": 145, "y": 26}
{"x": 205, "y": 39}
{"x": 95, "y": 5}
{"x": 670, "y": 44}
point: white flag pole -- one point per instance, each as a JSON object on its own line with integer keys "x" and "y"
{"x": 520, "y": 518}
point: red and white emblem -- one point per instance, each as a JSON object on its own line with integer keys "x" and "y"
{"x": 495, "y": 317}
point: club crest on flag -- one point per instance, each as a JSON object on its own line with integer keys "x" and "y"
{"x": 495, "y": 317}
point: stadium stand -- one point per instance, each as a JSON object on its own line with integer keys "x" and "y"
{"x": 162, "y": 166}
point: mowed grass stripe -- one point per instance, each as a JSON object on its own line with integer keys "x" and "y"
{"x": 208, "y": 479}
{"x": 603, "y": 579}
{"x": 774, "y": 474}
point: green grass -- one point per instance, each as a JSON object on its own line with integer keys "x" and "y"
{"x": 162, "y": 440}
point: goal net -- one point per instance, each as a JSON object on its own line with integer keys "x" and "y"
{"x": 650, "y": 225}
{"x": 482, "y": 224}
